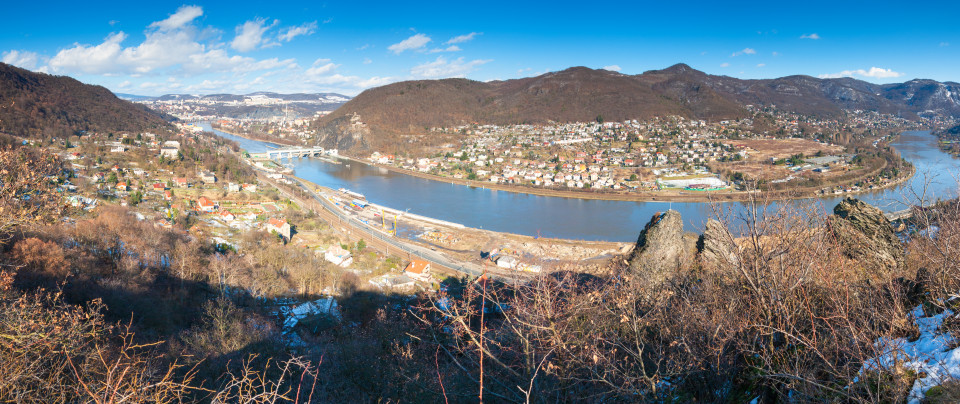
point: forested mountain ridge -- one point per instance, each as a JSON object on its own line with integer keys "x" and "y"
{"x": 583, "y": 94}
{"x": 44, "y": 106}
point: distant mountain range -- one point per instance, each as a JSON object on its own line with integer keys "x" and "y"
{"x": 40, "y": 105}
{"x": 326, "y": 98}
{"x": 583, "y": 94}
{"x": 259, "y": 105}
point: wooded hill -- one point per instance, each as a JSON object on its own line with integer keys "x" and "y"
{"x": 44, "y": 106}
{"x": 584, "y": 94}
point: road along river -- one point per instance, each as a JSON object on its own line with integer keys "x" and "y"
{"x": 937, "y": 175}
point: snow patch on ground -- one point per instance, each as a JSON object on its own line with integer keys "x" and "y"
{"x": 326, "y": 305}
{"x": 930, "y": 355}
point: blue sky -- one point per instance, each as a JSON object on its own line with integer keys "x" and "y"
{"x": 159, "y": 47}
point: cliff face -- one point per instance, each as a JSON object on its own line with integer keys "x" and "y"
{"x": 344, "y": 133}
{"x": 716, "y": 247}
{"x": 858, "y": 231}
{"x": 662, "y": 248}
{"x": 864, "y": 234}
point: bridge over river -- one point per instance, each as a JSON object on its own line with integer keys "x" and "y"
{"x": 291, "y": 152}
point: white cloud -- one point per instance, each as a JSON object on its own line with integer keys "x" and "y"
{"x": 775, "y": 53}
{"x": 944, "y": 44}
{"x": 183, "y": 16}
{"x": 249, "y": 65}
{"x": 874, "y": 72}
{"x": 813, "y": 36}
{"x": 216, "y": 60}
{"x": 451, "y": 48}
{"x": 441, "y": 68}
{"x": 320, "y": 69}
{"x": 99, "y": 59}
{"x": 612, "y": 68}
{"x": 374, "y": 82}
{"x": 417, "y": 41}
{"x": 761, "y": 64}
{"x": 171, "y": 46}
{"x": 323, "y": 72}
{"x": 293, "y": 32}
{"x": 24, "y": 59}
{"x": 250, "y": 35}
{"x": 351, "y": 81}
{"x": 745, "y": 51}
{"x": 463, "y": 38}
{"x": 367, "y": 61}
{"x": 159, "y": 50}
{"x": 724, "y": 65}
{"x": 207, "y": 85}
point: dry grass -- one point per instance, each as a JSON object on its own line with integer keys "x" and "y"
{"x": 765, "y": 149}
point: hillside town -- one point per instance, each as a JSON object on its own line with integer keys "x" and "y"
{"x": 669, "y": 153}
{"x": 191, "y": 182}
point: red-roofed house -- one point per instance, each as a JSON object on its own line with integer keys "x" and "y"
{"x": 159, "y": 187}
{"x": 205, "y": 205}
{"x": 180, "y": 182}
{"x": 418, "y": 269}
{"x": 226, "y": 215}
{"x": 121, "y": 186}
{"x": 280, "y": 226}
{"x": 167, "y": 195}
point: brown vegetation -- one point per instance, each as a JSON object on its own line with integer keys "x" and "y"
{"x": 398, "y": 116}
{"x": 43, "y": 106}
{"x": 111, "y": 309}
{"x": 796, "y": 317}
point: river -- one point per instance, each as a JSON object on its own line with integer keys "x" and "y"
{"x": 583, "y": 219}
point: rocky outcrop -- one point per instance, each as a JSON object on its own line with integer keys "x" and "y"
{"x": 716, "y": 247}
{"x": 661, "y": 248}
{"x": 864, "y": 234}
{"x": 345, "y": 133}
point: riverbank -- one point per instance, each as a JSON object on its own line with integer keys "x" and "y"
{"x": 466, "y": 243}
{"x": 456, "y": 250}
{"x": 644, "y": 196}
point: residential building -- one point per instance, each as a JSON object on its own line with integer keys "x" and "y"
{"x": 280, "y": 226}
{"x": 419, "y": 270}
{"x": 170, "y": 152}
{"x": 205, "y": 205}
{"x": 207, "y": 177}
{"x": 338, "y": 256}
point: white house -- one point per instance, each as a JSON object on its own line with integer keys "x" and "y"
{"x": 338, "y": 256}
